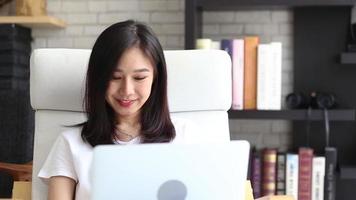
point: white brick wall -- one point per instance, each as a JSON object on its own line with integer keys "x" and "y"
{"x": 87, "y": 18}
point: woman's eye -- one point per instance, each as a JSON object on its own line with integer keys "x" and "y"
{"x": 116, "y": 77}
{"x": 139, "y": 78}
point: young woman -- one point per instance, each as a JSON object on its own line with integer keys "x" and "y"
{"x": 125, "y": 102}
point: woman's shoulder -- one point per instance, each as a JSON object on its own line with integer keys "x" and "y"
{"x": 72, "y": 134}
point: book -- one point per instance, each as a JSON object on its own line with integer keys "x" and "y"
{"x": 330, "y": 173}
{"x": 269, "y": 76}
{"x": 275, "y": 91}
{"x": 215, "y": 45}
{"x": 281, "y": 174}
{"x": 226, "y": 45}
{"x": 269, "y": 161}
{"x": 250, "y": 73}
{"x": 203, "y": 43}
{"x": 305, "y": 173}
{"x": 237, "y": 74}
{"x": 318, "y": 178}
{"x": 292, "y": 168}
{"x": 256, "y": 174}
{"x": 264, "y": 65}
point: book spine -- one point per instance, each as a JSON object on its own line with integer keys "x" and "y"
{"x": 269, "y": 76}
{"x": 318, "y": 178}
{"x": 269, "y": 172}
{"x": 203, "y": 43}
{"x": 216, "y": 45}
{"x": 264, "y": 65}
{"x": 226, "y": 45}
{"x": 250, "y": 73}
{"x": 292, "y": 168}
{"x": 330, "y": 173}
{"x": 305, "y": 173}
{"x": 256, "y": 175}
{"x": 281, "y": 174}
{"x": 237, "y": 74}
{"x": 275, "y": 74}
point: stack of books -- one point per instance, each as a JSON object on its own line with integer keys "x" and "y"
{"x": 256, "y": 71}
{"x": 303, "y": 175}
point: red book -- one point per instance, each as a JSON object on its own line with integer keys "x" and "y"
{"x": 269, "y": 172}
{"x": 305, "y": 173}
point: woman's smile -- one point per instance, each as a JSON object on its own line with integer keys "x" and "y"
{"x": 125, "y": 103}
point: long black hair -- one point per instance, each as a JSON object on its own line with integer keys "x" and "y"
{"x": 156, "y": 125}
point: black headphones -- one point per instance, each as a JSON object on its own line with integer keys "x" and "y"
{"x": 316, "y": 100}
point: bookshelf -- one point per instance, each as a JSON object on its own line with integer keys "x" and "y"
{"x": 321, "y": 33}
{"x": 253, "y": 4}
{"x": 334, "y": 115}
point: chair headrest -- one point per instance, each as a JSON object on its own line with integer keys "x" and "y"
{"x": 197, "y": 79}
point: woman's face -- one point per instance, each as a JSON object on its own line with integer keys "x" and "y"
{"x": 131, "y": 82}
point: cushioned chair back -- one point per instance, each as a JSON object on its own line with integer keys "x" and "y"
{"x": 199, "y": 89}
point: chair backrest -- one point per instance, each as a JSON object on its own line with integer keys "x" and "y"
{"x": 199, "y": 89}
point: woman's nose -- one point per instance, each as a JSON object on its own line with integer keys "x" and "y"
{"x": 126, "y": 88}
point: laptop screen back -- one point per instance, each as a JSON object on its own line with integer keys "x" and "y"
{"x": 170, "y": 171}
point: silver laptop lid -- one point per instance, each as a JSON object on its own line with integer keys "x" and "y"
{"x": 170, "y": 171}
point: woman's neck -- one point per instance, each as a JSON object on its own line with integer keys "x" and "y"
{"x": 128, "y": 129}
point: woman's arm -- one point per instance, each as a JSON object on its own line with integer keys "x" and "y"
{"x": 61, "y": 188}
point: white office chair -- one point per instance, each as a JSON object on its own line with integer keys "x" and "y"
{"x": 199, "y": 89}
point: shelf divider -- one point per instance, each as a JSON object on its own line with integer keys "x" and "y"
{"x": 253, "y": 4}
{"x": 297, "y": 115}
{"x": 348, "y": 58}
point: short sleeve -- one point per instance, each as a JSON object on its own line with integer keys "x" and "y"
{"x": 59, "y": 161}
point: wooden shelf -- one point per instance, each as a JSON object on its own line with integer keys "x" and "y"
{"x": 34, "y": 21}
{"x": 236, "y": 4}
{"x": 348, "y": 58}
{"x": 334, "y": 115}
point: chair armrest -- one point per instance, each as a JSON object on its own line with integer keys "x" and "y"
{"x": 19, "y": 172}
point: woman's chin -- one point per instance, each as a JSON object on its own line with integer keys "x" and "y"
{"x": 126, "y": 113}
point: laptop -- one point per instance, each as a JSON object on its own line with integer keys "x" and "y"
{"x": 170, "y": 171}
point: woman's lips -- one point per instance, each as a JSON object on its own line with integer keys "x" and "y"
{"x": 125, "y": 103}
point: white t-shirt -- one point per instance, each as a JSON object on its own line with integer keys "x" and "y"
{"x": 70, "y": 156}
